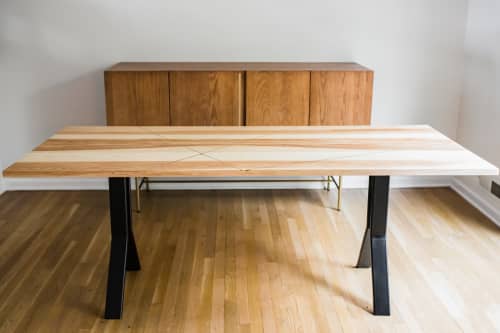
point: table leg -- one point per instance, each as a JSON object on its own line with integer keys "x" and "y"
{"x": 133, "y": 263}
{"x": 137, "y": 195}
{"x": 373, "y": 250}
{"x": 123, "y": 254}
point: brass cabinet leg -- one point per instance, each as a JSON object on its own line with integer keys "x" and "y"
{"x": 328, "y": 182}
{"x": 137, "y": 195}
{"x": 339, "y": 194}
{"x": 338, "y": 185}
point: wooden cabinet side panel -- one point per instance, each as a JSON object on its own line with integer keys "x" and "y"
{"x": 341, "y": 98}
{"x": 206, "y": 98}
{"x": 137, "y": 98}
{"x": 277, "y": 98}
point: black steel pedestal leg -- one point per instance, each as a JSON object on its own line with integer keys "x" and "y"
{"x": 373, "y": 250}
{"x": 365, "y": 254}
{"x": 123, "y": 254}
{"x": 133, "y": 263}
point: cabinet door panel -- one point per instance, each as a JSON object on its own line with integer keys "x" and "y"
{"x": 137, "y": 98}
{"x": 341, "y": 98}
{"x": 206, "y": 98}
{"x": 277, "y": 98}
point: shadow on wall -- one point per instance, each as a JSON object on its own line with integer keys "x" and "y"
{"x": 52, "y": 72}
{"x": 44, "y": 92}
{"x": 79, "y": 101}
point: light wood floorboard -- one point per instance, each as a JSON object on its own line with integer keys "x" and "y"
{"x": 247, "y": 261}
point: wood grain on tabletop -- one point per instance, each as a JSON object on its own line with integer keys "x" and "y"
{"x": 248, "y": 151}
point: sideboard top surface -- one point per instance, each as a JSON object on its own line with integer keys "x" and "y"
{"x": 236, "y": 66}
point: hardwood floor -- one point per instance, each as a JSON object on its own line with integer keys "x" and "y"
{"x": 247, "y": 261}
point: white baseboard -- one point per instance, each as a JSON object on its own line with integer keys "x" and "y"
{"x": 2, "y": 182}
{"x": 42, "y": 184}
{"x": 2, "y": 185}
{"x": 29, "y": 184}
{"x": 479, "y": 198}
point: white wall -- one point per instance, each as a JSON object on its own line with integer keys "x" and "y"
{"x": 53, "y": 53}
{"x": 479, "y": 125}
{"x": 479, "y": 118}
{"x": 2, "y": 183}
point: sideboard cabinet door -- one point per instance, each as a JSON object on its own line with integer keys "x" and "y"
{"x": 341, "y": 98}
{"x": 206, "y": 98}
{"x": 277, "y": 98}
{"x": 137, "y": 98}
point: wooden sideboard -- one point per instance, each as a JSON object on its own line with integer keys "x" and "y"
{"x": 202, "y": 94}
{"x": 238, "y": 94}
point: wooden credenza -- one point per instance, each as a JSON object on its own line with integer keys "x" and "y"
{"x": 196, "y": 94}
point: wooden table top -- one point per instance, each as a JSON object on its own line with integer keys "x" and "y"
{"x": 248, "y": 151}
